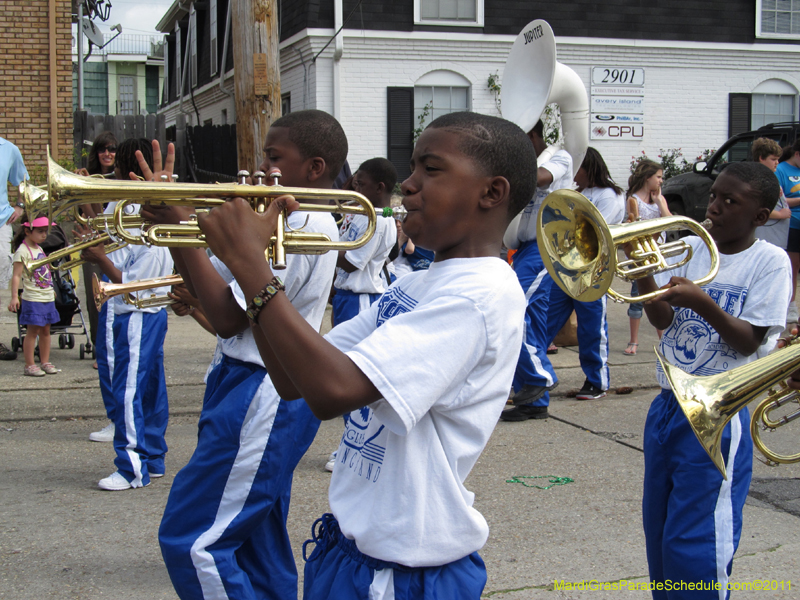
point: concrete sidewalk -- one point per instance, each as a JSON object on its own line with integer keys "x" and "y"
{"x": 61, "y": 537}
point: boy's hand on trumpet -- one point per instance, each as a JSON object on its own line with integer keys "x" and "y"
{"x": 239, "y": 236}
{"x": 166, "y": 215}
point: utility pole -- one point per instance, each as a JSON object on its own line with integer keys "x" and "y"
{"x": 257, "y": 80}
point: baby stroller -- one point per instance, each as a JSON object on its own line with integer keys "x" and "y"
{"x": 67, "y": 303}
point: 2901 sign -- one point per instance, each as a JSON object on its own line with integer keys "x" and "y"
{"x": 617, "y": 76}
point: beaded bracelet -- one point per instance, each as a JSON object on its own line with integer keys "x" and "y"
{"x": 264, "y": 296}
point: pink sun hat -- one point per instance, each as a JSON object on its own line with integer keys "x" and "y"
{"x": 38, "y": 222}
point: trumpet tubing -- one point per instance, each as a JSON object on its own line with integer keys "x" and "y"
{"x": 103, "y": 291}
{"x": 579, "y": 249}
{"x": 776, "y": 397}
{"x": 33, "y": 265}
{"x": 709, "y": 403}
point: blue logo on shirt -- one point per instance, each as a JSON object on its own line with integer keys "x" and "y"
{"x": 394, "y": 302}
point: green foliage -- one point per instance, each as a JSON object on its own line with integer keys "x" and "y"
{"x": 551, "y": 118}
{"x": 672, "y": 161}
{"x": 38, "y": 173}
{"x": 426, "y": 111}
{"x": 493, "y": 84}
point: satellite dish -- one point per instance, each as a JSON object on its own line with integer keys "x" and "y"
{"x": 93, "y": 33}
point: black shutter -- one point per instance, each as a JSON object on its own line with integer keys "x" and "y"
{"x": 400, "y": 117}
{"x": 739, "y": 108}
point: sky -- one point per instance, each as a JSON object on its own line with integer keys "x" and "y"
{"x": 137, "y": 17}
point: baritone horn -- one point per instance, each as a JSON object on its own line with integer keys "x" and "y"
{"x": 709, "y": 403}
{"x": 579, "y": 249}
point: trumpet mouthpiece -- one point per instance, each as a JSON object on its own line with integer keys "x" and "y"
{"x": 398, "y": 213}
{"x": 706, "y": 224}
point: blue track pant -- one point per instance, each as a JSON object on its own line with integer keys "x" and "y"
{"x": 692, "y": 517}
{"x": 223, "y": 534}
{"x": 592, "y": 332}
{"x": 104, "y": 353}
{"x": 140, "y": 411}
{"x": 533, "y": 366}
{"x": 347, "y": 304}
{"x": 337, "y": 570}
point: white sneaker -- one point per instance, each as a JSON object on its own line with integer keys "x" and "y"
{"x": 114, "y": 483}
{"x": 106, "y": 434}
{"x": 331, "y": 461}
{"x": 792, "y": 315}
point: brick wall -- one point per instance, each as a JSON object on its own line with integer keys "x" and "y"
{"x": 25, "y": 77}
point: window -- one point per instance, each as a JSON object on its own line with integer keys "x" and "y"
{"x": 449, "y": 12}
{"x": 439, "y": 93}
{"x": 772, "y": 101}
{"x": 224, "y": 116}
{"x": 177, "y": 60}
{"x": 286, "y": 103}
{"x": 212, "y": 23}
{"x": 127, "y": 95}
{"x": 193, "y": 45}
{"x": 772, "y": 108}
{"x": 778, "y": 18}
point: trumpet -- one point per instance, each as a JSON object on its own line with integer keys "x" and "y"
{"x": 103, "y": 291}
{"x": 709, "y": 403}
{"x": 67, "y": 191}
{"x": 579, "y": 249}
{"x": 57, "y": 255}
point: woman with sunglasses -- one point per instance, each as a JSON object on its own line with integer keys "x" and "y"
{"x": 102, "y": 159}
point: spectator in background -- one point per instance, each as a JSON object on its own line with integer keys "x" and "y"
{"x": 776, "y": 229}
{"x": 12, "y": 170}
{"x": 102, "y": 159}
{"x": 788, "y": 173}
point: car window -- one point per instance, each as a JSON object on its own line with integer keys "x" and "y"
{"x": 738, "y": 152}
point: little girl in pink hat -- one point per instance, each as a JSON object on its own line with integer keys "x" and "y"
{"x": 37, "y": 308}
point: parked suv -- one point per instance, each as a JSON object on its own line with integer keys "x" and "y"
{"x": 687, "y": 194}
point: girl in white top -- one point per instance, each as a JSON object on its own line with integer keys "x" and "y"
{"x": 37, "y": 309}
{"x": 645, "y": 202}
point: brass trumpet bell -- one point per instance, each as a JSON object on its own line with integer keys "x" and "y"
{"x": 579, "y": 249}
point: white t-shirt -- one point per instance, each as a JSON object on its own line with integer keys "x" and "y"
{"x": 560, "y": 167}
{"x": 610, "y": 204}
{"x": 307, "y": 278}
{"x": 369, "y": 259}
{"x": 441, "y": 346}
{"x": 753, "y": 285}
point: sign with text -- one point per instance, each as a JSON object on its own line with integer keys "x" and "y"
{"x": 617, "y": 131}
{"x": 617, "y": 103}
{"x": 617, "y": 76}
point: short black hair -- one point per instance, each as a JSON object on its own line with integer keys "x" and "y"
{"x": 381, "y": 171}
{"x": 760, "y": 178}
{"x": 126, "y": 156}
{"x": 500, "y": 148}
{"x": 316, "y": 133}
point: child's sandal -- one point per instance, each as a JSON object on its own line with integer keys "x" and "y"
{"x": 34, "y": 371}
{"x": 49, "y": 368}
{"x": 630, "y": 350}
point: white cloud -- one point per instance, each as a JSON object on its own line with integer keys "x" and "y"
{"x": 135, "y": 17}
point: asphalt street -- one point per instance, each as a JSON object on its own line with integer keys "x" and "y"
{"x": 62, "y": 537}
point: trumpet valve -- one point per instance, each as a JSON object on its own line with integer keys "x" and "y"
{"x": 243, "y": 175}
{"x": 275, "y": 175}
{"x": 259, "y": 175}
